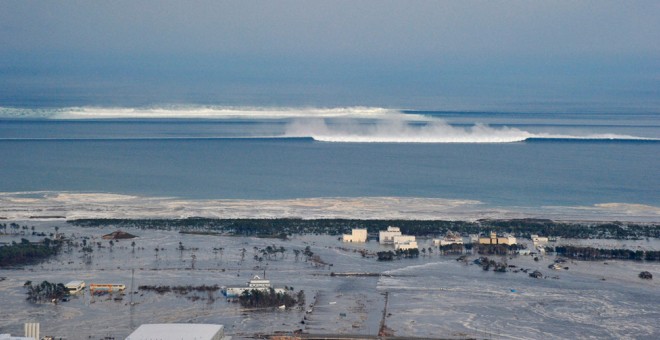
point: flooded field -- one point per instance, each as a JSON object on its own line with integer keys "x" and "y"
{"x": 431, "y": 296}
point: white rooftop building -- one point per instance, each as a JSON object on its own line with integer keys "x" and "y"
{"x": 536, "y": 239}
{"x": 404, "y": 242}
{"x": 75, "y": 286}
{"x": 178, "y": 331}
{"x": 256, "y": 283}
{"x": 450, "y": 238}
{"x": 406, "y": 245}
{"x": 387, "y": 236}
{"x": 357, "y": 235}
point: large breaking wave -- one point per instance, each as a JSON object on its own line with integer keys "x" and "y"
{"x": 433, "y": 131}
{"x": 344, "y": 124}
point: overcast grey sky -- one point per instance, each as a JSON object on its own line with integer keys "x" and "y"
{"x": 477, "y": 55}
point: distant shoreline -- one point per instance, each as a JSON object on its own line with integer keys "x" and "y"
{"x": 64, "y": 205}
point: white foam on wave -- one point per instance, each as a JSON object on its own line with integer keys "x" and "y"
{"x": 199, "y": 112}
{"x": 402, "y": 129}
{"x": 356, "y": 124}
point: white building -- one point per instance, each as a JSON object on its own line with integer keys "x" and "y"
{"x": 178, "y": 331}
{"x": 75, "y": 286}
{"x": 256, "y": 283}
{"x": 404, "y": 242}
{"x": 450, "y": 238}
{"x": 494, "y": 239}
{"x": 406, "y": 245}
{"x": 357, "y": 235}
{"x": 401, "y": 239}
{"x": 387, "y": 236}
{"x": 536, "y": 239}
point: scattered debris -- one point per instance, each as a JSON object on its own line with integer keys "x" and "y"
{"x": 118, "y": 235}
{"x": 645, "y": 275}
{"x": 536, "y": 274}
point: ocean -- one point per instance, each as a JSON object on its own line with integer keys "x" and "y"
{"x": 506, "y": 160}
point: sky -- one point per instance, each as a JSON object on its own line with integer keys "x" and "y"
{"x": 568, "y": 56}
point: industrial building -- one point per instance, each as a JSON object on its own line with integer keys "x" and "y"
{"x": 536, "y": 239}
{"x": 450, "y": 238}
{"x": 406, "y": 245}
{"x": 387, "y": 236}
{"x": 494, "y": 239}
{"x": 256, "y": 283}
{"x": 357, "y": 235}
{"x": 178, "y": 331}
{"x": 75, "y": 286}
{"x": 404, "y": 242}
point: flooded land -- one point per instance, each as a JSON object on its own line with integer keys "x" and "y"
{"x": 433, "y": 295}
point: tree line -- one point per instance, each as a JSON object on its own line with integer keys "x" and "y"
{"x": 256, "y": 298}
{"x": 590, "y": 253}
{"x": 25, "y": 252}
{"x": 283, "y": 227}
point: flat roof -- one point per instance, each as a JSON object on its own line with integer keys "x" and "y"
{"x": 176, "y": 331}
{"x": 75, "y": 283}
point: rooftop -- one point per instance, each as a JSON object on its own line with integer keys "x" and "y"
{"x": 177, "y": 331}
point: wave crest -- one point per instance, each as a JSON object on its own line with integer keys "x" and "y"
{"x": 435, "y": 131}
{"x": 198, "y": 112}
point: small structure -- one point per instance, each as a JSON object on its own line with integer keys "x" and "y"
{"x": 401, "y": 239}
{"x": 256, "y": 283}
{"x": 106, "y": 287}
{"x": 404, "y": 242}
{"x": 536, "y": 274}
{"x": 538, "y": 240}
{"x": 494, "y": 239}
{"x": 450, "y": 238}
{"x": 406, "y": 245}
{"x": 75, "y": 286}
{"x": 178, "y": 331}
{"x": 357, "y": 235}
{"x": 387, "y": 236}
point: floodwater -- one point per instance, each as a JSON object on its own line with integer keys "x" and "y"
{"x": 431, "y": 296}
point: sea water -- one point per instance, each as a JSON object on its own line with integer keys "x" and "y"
{"x": 498, "y": 159}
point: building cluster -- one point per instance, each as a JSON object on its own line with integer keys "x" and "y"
{"x": 391, "y": 236}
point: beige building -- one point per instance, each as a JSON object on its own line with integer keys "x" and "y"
{"x": 357, "y": 235}
{"x": 387, "y": 236}
{"x": 536, "y": 239}
{"x": 404, "y": 242}
{"x": 406, "y": 245}
{"x": 494, "y": 239}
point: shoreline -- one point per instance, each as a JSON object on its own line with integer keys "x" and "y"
{"x": 63, "y": 206}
